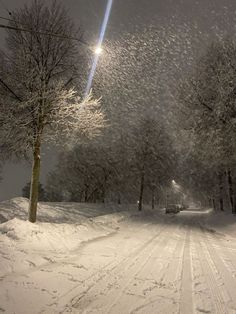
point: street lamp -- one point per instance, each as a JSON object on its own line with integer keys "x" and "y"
{"x": 179, "y": 189}
{"x": 176, "y": 186}
{"x": 98, "y": 50}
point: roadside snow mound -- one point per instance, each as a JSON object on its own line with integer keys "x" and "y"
{"x": 16, "y": 207}
{"x": 12, "y": 227}
{"x": 222, "y": 222}
{"x": 58, "y": 212}
{"x": 47, "y": 236}
{"x": 23, "y": 244}
{"x": 60, "y": 228}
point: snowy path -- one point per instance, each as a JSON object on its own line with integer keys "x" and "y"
{"x": 169, "y": 264}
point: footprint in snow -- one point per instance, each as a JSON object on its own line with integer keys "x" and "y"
{"x": 46, "y": 270}
{"x": 32, "y": 264}
{"x": 203, "y": 311}
{"x": 48, "y": 259}
{"x": 80, "y": 266}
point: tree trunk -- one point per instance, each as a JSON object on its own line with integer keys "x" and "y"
{"x": 221, "y": 204}
{"x": 213, "y": 203}
{"x": 209, "y": 202}
{"x": 103, "y": 195}
{"x": 153, "y": 200}
{"x": 86, "y": 193}
{"x": 140, "y": 203}
{"x": 34, "y": 182}
{"x": 167, "y": 199}
{"x": 119, "y": 199}
{"x": 221, "y": 201}
{"x": 231, "y": 194}
{"x": 104, "y": 189}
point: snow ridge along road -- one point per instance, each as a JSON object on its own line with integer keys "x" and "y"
{"x": 152, "y": 264}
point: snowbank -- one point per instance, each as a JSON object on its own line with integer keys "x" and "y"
{"x": 16, "y": 207}
{"x": 221, "y": 222}
{"x": 60, "y": 228}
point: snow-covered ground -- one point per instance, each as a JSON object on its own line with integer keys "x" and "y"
{"x": 61, "y": 228}
{"x": 83, "y": 258}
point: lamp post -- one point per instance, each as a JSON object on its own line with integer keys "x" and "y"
{"x": 178, "y": 189}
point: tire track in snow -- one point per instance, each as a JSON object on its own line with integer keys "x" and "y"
{"x": 54, "y": 269}
{"x": 166, "y": 295}
{"x": 226, "y": 253}
{"x": 141, "y": 265}
{"x": 116, "y": 271}
{"x": 216, "y": 290}
{"x": 124, "y": 278}
{"x": 229, "y": 281}
{"x": 98, "y": 275}
{"x": 186, "y": 291}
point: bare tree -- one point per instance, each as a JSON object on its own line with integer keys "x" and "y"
{"x": 208, "y": 101}
{"x": 153, "y": 155}
{"x": 39, "y": 69}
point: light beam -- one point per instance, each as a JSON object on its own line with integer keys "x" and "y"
{"x": 98, "y": 48}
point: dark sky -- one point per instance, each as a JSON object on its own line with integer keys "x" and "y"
{"x": 125, "y": 17}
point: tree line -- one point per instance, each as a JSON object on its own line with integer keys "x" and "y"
{"x": 207, "y": 102}
{"x": 133, "y": 168}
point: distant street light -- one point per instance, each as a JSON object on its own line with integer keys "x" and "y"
{"x": 178, "y": 189}
{"x": 176, "y": 186}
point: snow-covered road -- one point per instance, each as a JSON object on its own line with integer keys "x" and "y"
{"x": 153, "y": 264}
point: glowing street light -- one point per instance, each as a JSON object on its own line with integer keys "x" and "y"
{"x": 178, "y": 189}
{"x": 98, "y": 50}
{"x": 176, "y": 186}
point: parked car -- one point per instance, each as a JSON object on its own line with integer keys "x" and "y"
{"x": 179, "y": 206}
{"x": 172, "y": 209}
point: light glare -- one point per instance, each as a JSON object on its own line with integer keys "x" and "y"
{"x": 98, "y": 50}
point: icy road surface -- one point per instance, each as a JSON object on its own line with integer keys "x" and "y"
{"x": 157, "y": 264}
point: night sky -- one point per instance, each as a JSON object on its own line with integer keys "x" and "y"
{"x": 125, "y": 17}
